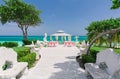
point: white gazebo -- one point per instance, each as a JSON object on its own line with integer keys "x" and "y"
{"x": 62, "y": 34}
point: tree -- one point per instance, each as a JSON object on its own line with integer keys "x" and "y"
{"x": 101, "y": 28}
{"x": 116, "y": 4}
{"x": 25, "y": 15}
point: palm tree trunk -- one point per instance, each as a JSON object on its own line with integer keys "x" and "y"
{"x": 100, "y": 35}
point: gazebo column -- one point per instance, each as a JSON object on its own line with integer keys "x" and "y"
{"x": 50, "y": 38}
{"x": 56, "y": 38}
{"x": 76, "y": 39}
{"x": 64, "y": 38}
{"x": 69, "y": 38}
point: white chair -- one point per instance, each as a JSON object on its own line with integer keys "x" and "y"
{"x": 15, "y": 68}
{"x": 107, "y": 66}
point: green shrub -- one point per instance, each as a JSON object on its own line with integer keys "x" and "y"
{"x": 87, "y": 59}
{"x": 0, "y": 44}
{"x": 80, "y": 42}
{"x": 34, "y": 41}
{"x": 4, "y": 67}
{"x": 93, "y": 53}
{"x": 30, "y": 58}
{"x": 91, "y": 58}
{"x": 23, "y": 53}
{"x": 10, "y": 44}
{"x": 26, "y": 42}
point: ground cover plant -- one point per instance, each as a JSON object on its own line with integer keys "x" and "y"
{"x": 24, "y": 55}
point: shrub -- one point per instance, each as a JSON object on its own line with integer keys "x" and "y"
{"x": 80, "y": 42}
{"x": 0, "y": 44}
{"x": 87, "y": 59}
{"x": 26, "y": 42}
{"x": 91, "y": 58}
{"x": 4, "y": 67}
{"x": 93, "y": 53}
{"x": 30, "y": 58}
{"x": 23, "y": 53}
{"x": 34, "y": 41}
{"x": 10, "y": 44}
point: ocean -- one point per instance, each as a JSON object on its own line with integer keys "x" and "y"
{"x": 20, "y": 38}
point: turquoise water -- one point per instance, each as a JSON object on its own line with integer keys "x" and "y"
{"x": 20, "y": 38}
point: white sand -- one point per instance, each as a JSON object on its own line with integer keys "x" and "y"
{"x": 57, "y": 63}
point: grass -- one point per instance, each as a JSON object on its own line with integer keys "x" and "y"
{"x": 17, "y": 49}
{"x": 117, "y": 51}
{"x": 103, "y": 48}
{"x": 98, "y": 48}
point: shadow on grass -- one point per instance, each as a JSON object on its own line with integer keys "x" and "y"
{"x": 68, "y": 70}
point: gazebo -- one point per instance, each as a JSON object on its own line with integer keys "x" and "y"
{"x": 62, "y": 34}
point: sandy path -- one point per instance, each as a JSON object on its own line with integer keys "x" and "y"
{"x": 57, "y": 63}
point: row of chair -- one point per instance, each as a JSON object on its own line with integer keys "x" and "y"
{"x": 68, "y": 43}
{"x": 54, "y": 44}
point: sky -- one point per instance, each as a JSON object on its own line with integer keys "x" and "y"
{"x": 72, "y": 16}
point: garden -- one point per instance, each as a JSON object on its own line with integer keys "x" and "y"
{"x": 23, "y": 53}
{"x": 101, "y": 35}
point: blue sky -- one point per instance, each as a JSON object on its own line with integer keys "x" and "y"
{"x": 72, "y": 16}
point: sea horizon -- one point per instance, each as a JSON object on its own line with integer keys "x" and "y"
{"x": 40, "y": 37}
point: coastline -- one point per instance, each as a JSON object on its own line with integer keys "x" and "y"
{"x": 19, "y": 39}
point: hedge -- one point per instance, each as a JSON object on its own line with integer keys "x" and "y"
{"x": 9, "y": 44}
{"x": 0, "y": 44}
{"x": 30, "y": 58}
{"x": 93, "y": 53}
{"x": 87, "y": 59}
{"x": 91, "y": 58}
{"x": 22, "y": 51}
{"x": 28, "y": 42}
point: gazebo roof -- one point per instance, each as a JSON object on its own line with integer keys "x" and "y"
{"x": 60, "y": 33}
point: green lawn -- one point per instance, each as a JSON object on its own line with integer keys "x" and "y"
{"x": 103, "y": 48}
{"x": 21, "y": 48}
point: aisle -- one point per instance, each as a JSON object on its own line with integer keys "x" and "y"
{"x": 57, "y": 63}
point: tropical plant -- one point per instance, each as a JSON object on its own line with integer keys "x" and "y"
{"x": 98, "y": 29}
{"x": 116, "y": 4}
{"x": 25, "y": 15}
